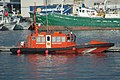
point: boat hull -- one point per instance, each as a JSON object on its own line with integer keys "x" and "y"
{"x": 89, "y": 48}
{"x": 75, "y": 21}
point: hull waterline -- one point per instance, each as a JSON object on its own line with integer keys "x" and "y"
{"x": 91, "y": 48}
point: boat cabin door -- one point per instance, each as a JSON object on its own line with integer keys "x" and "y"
{"x": 48, "y": 41}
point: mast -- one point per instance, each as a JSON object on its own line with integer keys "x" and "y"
{"x": 36, "y": 27}
{"x": 45, "y": 4}
{"x": 35, "y": 13}
{"x": 46, "y": 16}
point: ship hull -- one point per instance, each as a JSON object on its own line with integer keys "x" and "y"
{"x": 75, "y": 21}
{"x": 89, "y": 48}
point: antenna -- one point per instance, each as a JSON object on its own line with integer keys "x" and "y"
{"x": 34, "y": 13}
{"x": 47, "y": 20}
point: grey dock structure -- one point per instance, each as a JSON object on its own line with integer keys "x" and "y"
{"x": 6, "y": 48}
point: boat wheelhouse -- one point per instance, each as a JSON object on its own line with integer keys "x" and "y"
{"x": 86, "y": 12}
{"x": 54, "y": 40}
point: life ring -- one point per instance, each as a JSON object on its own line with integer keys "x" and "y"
{"x": 39, "y": 10}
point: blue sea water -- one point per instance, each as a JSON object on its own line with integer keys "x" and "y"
{"x": 60, "y": 67}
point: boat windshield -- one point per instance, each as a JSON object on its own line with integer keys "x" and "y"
{"x": 71, "y": 37}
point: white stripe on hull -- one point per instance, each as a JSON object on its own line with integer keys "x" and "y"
{"x": 89, "y": 50}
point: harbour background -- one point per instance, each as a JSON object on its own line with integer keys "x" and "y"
{"x": 22, "y": 6}
{"x": 60, "y": 67}
{"x": 10, "y": 38}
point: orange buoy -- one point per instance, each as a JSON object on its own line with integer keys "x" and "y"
{"x": 18, "y": 51}
{"x": 73, "y": 48}
{"x": 46, "y": 52}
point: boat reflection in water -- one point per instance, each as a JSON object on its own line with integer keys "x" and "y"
{"x": 58, "y": 59}
{"x": 60, "y": 66}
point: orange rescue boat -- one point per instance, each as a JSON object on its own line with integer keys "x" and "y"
{"x": 57, "y": 42}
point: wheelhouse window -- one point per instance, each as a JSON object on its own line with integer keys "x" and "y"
{"x": 58, "y": 39}
{"x": 42, "y": 39}
{"x": 33, "y": 38}
{"x": 71, "y": 37}
{"x": 80, "y": 10}
{"x": 83, "y": 11}
{"x": 38, "y": 39}
{"x": 68, "y": 37}
{"x": 53, "y": 39}
{"x": 63, "y": 38}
